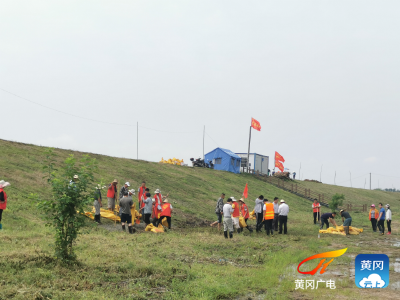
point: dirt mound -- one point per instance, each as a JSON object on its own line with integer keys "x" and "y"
{"x": 312, "y": 180}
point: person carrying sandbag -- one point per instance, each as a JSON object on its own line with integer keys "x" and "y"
{"x": 245, "y": 214}
{"x": 166, "y": 212}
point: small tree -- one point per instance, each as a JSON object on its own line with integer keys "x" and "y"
{"x": 68, "y": 197}
{"x": 337, "y": 200}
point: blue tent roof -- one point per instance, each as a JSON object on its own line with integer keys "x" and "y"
{"x": 230, "y": 153}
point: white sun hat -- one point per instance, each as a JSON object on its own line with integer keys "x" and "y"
{"x": 157, "y": 191}
{"x": 3, "y": 184}
{"x": 282, "y": 201}
{"x": 233, "y": 199}
{"x": 132, "y": 191}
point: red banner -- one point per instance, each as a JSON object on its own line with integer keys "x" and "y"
{"x": 279, "y": 165}
{"x": 246, "y": 192}
{"x": 255, "y": 124}
{"x": 279, "y": 157}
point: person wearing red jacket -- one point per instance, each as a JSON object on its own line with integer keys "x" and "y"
{"x": 157, "y": 209}
{"x": 141, "y": 193}
{"x": 166, "y": 212}
{"x": 3, "y": 199}
{"x": 244, "y": 211}
{"x": 112, "y": 195}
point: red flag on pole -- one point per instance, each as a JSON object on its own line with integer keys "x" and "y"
{"x": 279, "y": 157}
{"x": 255, "y": 124}
{"x": 279, "y": 165}
{"x": 246, "y": 192}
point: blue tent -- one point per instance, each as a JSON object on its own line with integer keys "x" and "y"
{"x": 223, "y": 159}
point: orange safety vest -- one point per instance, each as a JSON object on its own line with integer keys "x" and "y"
{"x": 111, "y": 191}
{"x": 269, "y": 212}
{"x": 376, "y": 214}
{"x": 166, "y": 210}
{"x": 245, "y": 211}
{"x": 3, "y": 205}
{"x": 141, "y": 191}
{"x": 236, "y": 211}
{"x": 315, "y": 208}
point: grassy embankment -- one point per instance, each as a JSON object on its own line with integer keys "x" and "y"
{"x": 188, "y": 262}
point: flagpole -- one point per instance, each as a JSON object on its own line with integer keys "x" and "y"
{"x": 248, "y": 153}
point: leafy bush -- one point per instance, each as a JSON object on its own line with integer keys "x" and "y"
{"x": 337, "y": 200}
{"x": 69, "y": 197}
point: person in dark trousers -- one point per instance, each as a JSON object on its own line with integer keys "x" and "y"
{"x": 126, "y": 203}
{"x": 112, "y": 195}
{"x": 97, "y": 204}
{"x": 381, "y": 219}
{"x": 373, "y": 215}
{"x": 283, "y": 216}
{"x": 316, "y": 210}
{"x": 227, "y": 213}
{"x": 268, "y": 211}
{"x": 166, "y": 212}
{"x": 258, "y": 209}
{"x": 218, "y": 211}
{"x": 147, "y": 208}
{"x": 294, "y": 175}
{"x": 389, "y": 219}
{"x": 328, "y": 217}
{"x": 346, "y": 219}
{"x": 3, "y": 199}
{"x": 124, "y": 189}
{"x": 276, "y": 214}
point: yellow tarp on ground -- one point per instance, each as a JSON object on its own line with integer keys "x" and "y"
{"x": 340, "y": 230}
{"x": 152, "y": 228}
{"x": 173, "y": 161}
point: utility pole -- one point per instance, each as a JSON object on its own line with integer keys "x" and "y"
{"x": 137, "y": 140}
{"x": 370, "y": 181}
{"x": 320, "y": 175}
{"x": 334, "y": 179}
{"x": 351, "y": 184}
{"x": 204, "y": 159}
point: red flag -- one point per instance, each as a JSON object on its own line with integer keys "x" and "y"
{"x": 279, "y": 165}
{"x": 246, "y": 192}
{"x": 255, "y": 124}
{"x": 279, "y": 157}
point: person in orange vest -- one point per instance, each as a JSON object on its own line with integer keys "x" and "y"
{"x": 141, "y": 193}
{"x": 111, "y": 195}
{"x": 157, "y": 209}
{"x": 373, "y": 215}
{"x": 244, "y": 210}
{"x": 268, "y": 211}
{"x": 166, "y": 212}
{"x": 3, "y": 199}
{"x": 316, "y": 210}
{"x": 235, "y": 214}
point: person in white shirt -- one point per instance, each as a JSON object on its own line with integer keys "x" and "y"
{"x": 227, "y": 213}
{"x": 389, "y": 219}
{"x": 283, "y": 213}
{"x": 258, "y": 209}
{"x": 276, "y": 214}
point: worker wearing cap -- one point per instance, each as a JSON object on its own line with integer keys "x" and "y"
{"x": 74, "y": 181}
{"x": 157, "y": 206}
{"x": 373, "y": 215}
{"x": 346, "y": 219}
{"x": 227, "y": 212}
{"x": 244, "y": 210}
{"x": 166, "y": 212}
{"x": 124, "y": 189}
{"x": 268, "y": 216}
{"x": 112, "y": 195}
{"x": 283, "y": 215}
{"x": 236, "y": 214}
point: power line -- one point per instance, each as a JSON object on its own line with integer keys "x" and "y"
{"x": 89, "y": 119}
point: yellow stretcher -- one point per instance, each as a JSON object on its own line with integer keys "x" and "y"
{"x": 340, "y": 230}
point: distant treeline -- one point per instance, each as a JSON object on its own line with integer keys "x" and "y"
{"x": 388, "y": 190}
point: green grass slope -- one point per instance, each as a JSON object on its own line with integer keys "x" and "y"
{"x": 188, "y": 262}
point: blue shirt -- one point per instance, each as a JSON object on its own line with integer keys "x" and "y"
{"x": 383, "y": 213}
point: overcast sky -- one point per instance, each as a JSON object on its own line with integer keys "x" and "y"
{"x": 322, "y": 78}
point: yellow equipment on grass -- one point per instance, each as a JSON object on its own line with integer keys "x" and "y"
{"x": 242, "y": 222}
{"x": 340, "y": 230}
{"x": 152, "y": 228}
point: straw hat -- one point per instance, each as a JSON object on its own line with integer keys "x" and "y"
{"x": 76, "y": 177}
{"x": 157, "y": 191}
{"x": 115, "y": 180}
{"x": 282, "y": 201}
{"x": 165, "y": 200}
{"x": 3, "y": 184}
{"x": 242, "y": 199}
{"x": 233, "y": 199}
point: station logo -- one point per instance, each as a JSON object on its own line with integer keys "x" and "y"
{"x": 372, "y": 271}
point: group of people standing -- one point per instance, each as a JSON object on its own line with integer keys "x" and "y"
{"x": 378, "y": 217}
{"x": 267, "y": 213}
{"x": 156, "y": 207}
